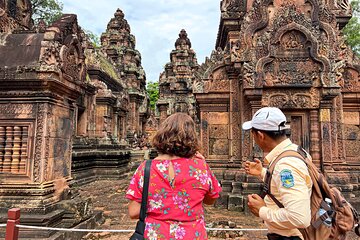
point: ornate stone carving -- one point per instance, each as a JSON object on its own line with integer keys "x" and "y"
{"x": 293, "y": 40}
{"x": 217, "y": 59}
{"x": 50, "y": 55}
{"x": 205, "y": 135}
{"x": 248, "y": 74}
{"x": 236, "y": 50}
{"x": 218, "y": 146}
{"x": 351, "y": 80}
{"x": 290, "y": 99}
{"x": 39, "y": 141}
{"x": 282, "y": 73}
{"x": 343, "y": 4}
{"x": 338, "y": 70}
{"x": 198, "y": 86}
{"x": 118, "y": 44}
{"x": 16, "y": 110}
{"x": 176, "y": 83}
{"x": 219, "y": 131}
{"x": 183, "y": 40}
{"x": 71, "y": 63}
{"x": 232, "y": 8}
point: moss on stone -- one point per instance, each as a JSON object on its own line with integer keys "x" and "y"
{"x": 107, "y": 67}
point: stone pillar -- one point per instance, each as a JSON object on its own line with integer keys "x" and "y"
{"x": 325, "y": 129}
{"x": 249, "y": 148}
{"x": 82, "y": 121}
{"x": 314, "y": 138}
{"x": 163, "y": 112}
{"x": 234, "y": 118}
{"x": 204, "y": 133}
{"x": 133, "y": 117}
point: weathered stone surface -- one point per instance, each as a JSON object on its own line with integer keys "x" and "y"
{"x": 286, "y": 54}
{"x": 64, "y": 120}
{"x": 119, "y": 46}
{"x": 175, "y": 83}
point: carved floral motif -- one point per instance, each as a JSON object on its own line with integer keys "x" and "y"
{"x": 291, "y": 99}
{"x": 15, "y": 110}
{"x": 39, "y": 140}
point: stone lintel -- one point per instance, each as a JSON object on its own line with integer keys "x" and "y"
{"x": 226, "y": 26}
{"x": 110, "y": 82}
{"x": 110, "y": 100}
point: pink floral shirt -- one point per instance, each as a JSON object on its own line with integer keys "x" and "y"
{"x": 175, "y": 211}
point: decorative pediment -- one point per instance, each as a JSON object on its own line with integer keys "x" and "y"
{"x": 62, "y": 49}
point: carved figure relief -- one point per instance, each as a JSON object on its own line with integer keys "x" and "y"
{"x": 293, "y": 40}
{"x": 219, "y": 146}
{"x": 50, "y": 55}
{"x": 294, "y": 73}
{"x": 71, "y": 64}
{"x": 248, "y": 74}
{"x": 351, "y": 80}
{"x": 236, "y": 50}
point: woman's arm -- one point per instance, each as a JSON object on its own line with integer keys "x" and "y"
{"x": 134, "y": 209}
{"x": 208, "y": 200}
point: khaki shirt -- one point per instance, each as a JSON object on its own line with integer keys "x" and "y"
{"x": 291, "y": 185}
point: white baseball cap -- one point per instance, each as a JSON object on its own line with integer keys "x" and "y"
{"x": 267, "y": 119}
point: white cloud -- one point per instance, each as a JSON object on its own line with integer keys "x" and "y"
{"x": 155, "y": 24}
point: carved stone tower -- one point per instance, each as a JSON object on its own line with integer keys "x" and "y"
{"x": 175, "y": 83}
{"x": 119, "y": 45}
{"x": 290, "y": 55}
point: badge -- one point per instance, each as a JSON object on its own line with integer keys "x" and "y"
{"x": 287, "y": 179}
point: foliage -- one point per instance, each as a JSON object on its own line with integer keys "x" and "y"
{"x": 352, "y": 29}
{"x": 48, "y": 10}
{"x": 153, "y": 92}
{"x": 94, "y": 39}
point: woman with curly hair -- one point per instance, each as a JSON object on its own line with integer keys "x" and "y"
{"x": 180, "y": 182}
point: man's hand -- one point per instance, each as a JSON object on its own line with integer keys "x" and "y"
{"x": 255, "y": 202}
{"x": 253, "y": 168}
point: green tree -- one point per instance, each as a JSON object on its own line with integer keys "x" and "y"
{"x": 153, "y": 92}
{"x": 94, "y": 39}
{"x": 49, "y": 10}
{"x": 352, "y": 29}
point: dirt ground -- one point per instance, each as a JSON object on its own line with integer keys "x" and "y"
{"x": 109, "y": 197}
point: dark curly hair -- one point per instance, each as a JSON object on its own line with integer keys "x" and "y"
{"x": 177, "y": 136}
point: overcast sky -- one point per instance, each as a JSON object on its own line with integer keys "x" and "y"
{"x": 155, "y": 24}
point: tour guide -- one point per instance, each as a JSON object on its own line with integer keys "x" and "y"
{"x": 290, "y": 184}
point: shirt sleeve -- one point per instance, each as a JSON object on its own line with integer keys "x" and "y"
{"x": 134, "y": 191}
{"x": 294, "y": 184}
{"x": 263, "y": 174}
{"x": 214, "y": 188}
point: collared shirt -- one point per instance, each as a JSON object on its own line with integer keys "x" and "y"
{"x": 291, "y": 184}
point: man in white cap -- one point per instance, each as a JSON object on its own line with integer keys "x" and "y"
{"x": 287, "y": 206}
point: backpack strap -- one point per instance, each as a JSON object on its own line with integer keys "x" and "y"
{"x": 140, "y": 225}
{"x": 300, "y": 153}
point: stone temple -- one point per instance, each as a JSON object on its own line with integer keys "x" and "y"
{"x": 72, "y": 113}
{"x": 285, "y": 54}
{"x": 69, "y": 114}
